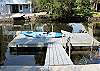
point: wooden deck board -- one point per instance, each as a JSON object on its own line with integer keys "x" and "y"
{"x": 56, "y": 55}
{"x": 49, "y": 55}
{"x": 89, "y": 67}
{"x": 51, "y": 62}
{"x": 47, "y": 58}
{"x": 63, "y": 55}
{"x": 60, "y": 60}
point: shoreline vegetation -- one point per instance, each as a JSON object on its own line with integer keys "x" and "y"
{"x": 65, "y": 8}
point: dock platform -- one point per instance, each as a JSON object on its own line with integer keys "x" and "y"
{"x": 56, "y": 55}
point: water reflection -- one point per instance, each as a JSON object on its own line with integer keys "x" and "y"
{"x": 86, "y": 57}
{"x": 3, "y": 47}
{"x": 80, "y": 58}
{"x": 24, "y": 58}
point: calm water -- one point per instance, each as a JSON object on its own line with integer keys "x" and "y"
{"x": 77, "y": 58}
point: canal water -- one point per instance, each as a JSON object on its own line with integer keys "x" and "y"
{"x": 34, "y": 60}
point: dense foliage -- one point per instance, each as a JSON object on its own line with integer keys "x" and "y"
{"x": 83, "y": 7}
{"x": 65, "y": 7}
{"x": 55, "y": 7}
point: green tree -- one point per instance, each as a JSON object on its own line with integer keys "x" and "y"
{"x": 42, "y": 4}
{"x": 82, "y": 7}
{"x": 66, "y": 7}
{"x": 56, "y": 7}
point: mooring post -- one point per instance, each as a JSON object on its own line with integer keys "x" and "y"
{"x": 69, "y": 45}
{"x": 69, "y": 49}
{"x": 16, "y": 49}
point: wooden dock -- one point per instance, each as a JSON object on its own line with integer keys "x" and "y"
{"x": 56, "y": 55}
{"x": 89, "y": 67}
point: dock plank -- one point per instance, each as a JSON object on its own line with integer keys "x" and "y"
{"x": 59, "y": 55}
{"x": 65, "y": 56}
{"x": 49, "y": 56}
{"x": 56, "y": 55}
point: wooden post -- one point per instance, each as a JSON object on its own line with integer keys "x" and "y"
{"x": 16, "y": 49}
{"x": 92, "y": 41}
{"x": 69, "y": 45}
{"x": 31, "y": 27}
{"x": 69, "y": 50}
{"x": 52, "y": 27}
{"x": 96, "y": 6}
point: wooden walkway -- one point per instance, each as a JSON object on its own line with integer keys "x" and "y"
{"x": 56, "y": 55}
{"x": 89, "y": 67}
